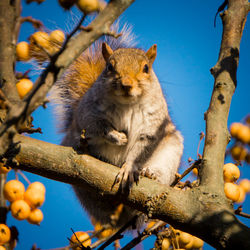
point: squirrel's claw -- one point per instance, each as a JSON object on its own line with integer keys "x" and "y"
{"x": 148, "y": 173}
{"x": 126, "y": 177}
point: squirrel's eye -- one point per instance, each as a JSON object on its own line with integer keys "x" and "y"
{"x": 145, "y": 68}
{"x": 110, "y": 67}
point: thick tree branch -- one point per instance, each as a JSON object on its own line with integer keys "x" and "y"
{"x": 198, "y": 211}
{"x": 224, "y": 72}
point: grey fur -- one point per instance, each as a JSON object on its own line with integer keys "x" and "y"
{"x": 134, "y": 133}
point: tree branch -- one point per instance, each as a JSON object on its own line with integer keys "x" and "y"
{"x": 198, "y": 211}
{"x": 224, "y": 72}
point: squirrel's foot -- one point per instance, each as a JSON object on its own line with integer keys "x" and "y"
{"x": 127, "y": 176}
{"x": 148, "y": 173}
{"x": 117, "y": 138}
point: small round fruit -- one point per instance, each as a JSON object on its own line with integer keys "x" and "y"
{"x": 13, "y": 190}
{"x": 242, "y": 195}
{"x": 244, "y": 134}
{"x": 232, "y": 191}
{"x": 2, "y": 248}
{"x": 66, "y": 4}
{"x": 4, "y": 234}
{"x": 4, "y": 169}
{"x": 184, "y": 238}
{"x": 235, "y": 128}
{"x": 35, "y": 217}
{"x": 40, "y": 38}
{"x": 231, "y": 172}
{"x": 166, "y": 243}
{"x": 34, "y": 197}
{"x": 105, "y": 233}
{"x": 83, "y": 237}
{"x": 239, "y": 153}
{"x": 22, "y": 51}
{"x": 197, "y": 242}
{"x": 88, "y": 6}
{"x": 57, "y": 37}
{"x": 245, "y": 184}
{"x": 189, "y": 245}
{"x": 195, "y": 171}
{"x": 150, "y": 224}
{"x": 20, "y": 209}
{"x": 37, "y": 186}
{"x": 24, "y": 86}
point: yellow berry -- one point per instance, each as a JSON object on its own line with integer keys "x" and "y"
{"x": 40, "y": 38}
{"x": 20, "y": 209}
{"x": 88, "y": 6}
{"x": 235, "y": 128}
{"x": 239, "y": 153}
{"x": 37, "y": 186}
{"x": 245, "y": 184}
{"x": 244, "y": 134}
{"x": 13, "y": 190}
{"x": 35, "y": 217}
{"x": 57, "y": 37}
{"x": 231, "y": 172}
{"x": 195, "y": 171}
{"x": 232, "y": 191}
{"x": 22, "y": 51}
{"x": 83, "y": 237}
{"x": 24, "y": 86}
{"x": 4, "y": 234}
{"x": 242, "y": 195}
{"x": 184, "y": 238}
{"x": 34, "y": 197}
{"x": 4, "y": 169}
{"x": 105, "y": 233}
{"x": 166, "y": 243}
{"x": 197, "y": 242}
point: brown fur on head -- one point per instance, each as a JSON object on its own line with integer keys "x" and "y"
{"x": 129, "y": 70}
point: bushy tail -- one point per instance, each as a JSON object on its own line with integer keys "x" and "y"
{"x": 82, "y": 74}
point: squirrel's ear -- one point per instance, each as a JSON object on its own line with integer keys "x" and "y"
{"x": 106, "y": 51}
{"x": 151, "y": 53}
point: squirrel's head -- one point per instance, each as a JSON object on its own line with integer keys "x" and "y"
{"x": 128, "y": 72}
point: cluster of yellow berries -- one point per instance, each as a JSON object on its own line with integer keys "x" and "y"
{"x": 241, "y": 132}
{"x": 86, "y": 6}
{"x": 233, "y": 191}
{"x": 182, "y": 240}
{"x": 41, "y": 44}
{"x": 25, "y": 204}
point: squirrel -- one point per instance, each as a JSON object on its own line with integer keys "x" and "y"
{"x": 112, "y": 94}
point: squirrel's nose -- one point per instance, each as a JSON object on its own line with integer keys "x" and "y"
{"x": 126, "y": 83}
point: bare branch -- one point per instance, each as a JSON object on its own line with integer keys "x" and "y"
{"x": 224, "y": 72}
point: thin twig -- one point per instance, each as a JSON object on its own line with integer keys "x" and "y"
{"x": 187, "y": 171}
{"x": 239, "y": 212}
{"x": 24, "y": 176}
{"x": 202, "y": 135}
{"x": 144, "y": 235}
{"x": 118, "y": 235}
{"x": 37, "y": 24}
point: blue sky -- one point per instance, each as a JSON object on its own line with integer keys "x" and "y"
{"x": 188, "y": 46}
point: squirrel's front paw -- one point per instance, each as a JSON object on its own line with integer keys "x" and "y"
{"x": 117, "y": 138}
{"x": 127, "y": 176}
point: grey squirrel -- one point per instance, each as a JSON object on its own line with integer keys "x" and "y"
{"x": 112, "y": 93}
